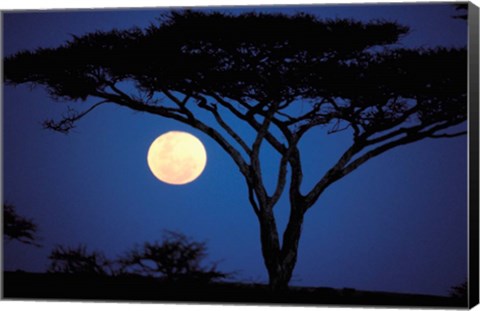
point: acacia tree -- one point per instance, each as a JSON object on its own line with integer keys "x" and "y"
{"x": 203, "y": 69}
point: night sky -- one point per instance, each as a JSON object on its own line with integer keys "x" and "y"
{"x": 398, "y": 223}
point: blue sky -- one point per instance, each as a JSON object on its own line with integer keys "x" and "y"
{"x": 398, "y": 223}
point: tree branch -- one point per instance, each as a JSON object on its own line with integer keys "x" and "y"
{"x": 251, "y": 198}
{"x": 282, "y": 177}
{"x": 214, "y": 110}
{"x": 447, "y": 135}
{"x": 251, "y": 121}
{"x": 393, "y": 124}
{"x": 332, "y": 174}
{"x": 188, "y": 119}
{"x": 68, "y": 120}
{"x": 180, "y": 104}
{"x": 341, "y": 169}
{"x": 256, "y": 169}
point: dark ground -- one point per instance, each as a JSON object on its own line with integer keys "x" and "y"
{"x": 24, "y": 285}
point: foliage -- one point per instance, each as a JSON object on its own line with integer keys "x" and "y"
{"x": 78, "y": 261}
{"x": 17, "y": 227}
{"x": 176, "y": 258}
{"x": 250, "y": 56}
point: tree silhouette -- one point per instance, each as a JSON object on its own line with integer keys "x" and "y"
{"x": 17, "y": 227}
{"x": 282, "y": 76}
{"x": 79, "y": 261}
{"x": 175, "y": 259}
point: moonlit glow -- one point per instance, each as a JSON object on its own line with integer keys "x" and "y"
{"x": 177, "y": 158}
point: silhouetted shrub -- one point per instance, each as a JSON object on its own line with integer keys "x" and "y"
{"x": 17, "y": 227}
{"x": 175, "y": 259}
{"x": 79, "y": 261}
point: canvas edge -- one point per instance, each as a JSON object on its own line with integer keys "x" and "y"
{"x": 1, "y": 159}
{"x": 473, "y": 94}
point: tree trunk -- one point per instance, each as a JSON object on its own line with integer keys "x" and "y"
{"x": 291, "y": 238}
{"x": 280, "y": 262}
{"x": 278, "y": 282}
{"x": 270, "y": 244}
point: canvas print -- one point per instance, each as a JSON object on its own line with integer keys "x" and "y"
{"x": 303, "y": 154}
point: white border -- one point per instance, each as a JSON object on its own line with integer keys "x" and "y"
{"x": 77, "y": 4}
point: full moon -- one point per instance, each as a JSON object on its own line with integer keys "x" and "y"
{"x": 177, "y": 158}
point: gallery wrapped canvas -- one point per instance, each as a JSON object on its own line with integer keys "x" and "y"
{"x": 284, "y": 154}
